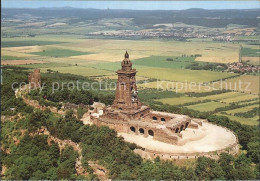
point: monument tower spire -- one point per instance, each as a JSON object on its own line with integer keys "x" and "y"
{"x": 126, "y": 91}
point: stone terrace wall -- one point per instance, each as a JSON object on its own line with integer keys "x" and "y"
{"x": 232, "y": 149}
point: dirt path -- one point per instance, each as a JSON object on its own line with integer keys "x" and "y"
{"x": 22, "y": 93}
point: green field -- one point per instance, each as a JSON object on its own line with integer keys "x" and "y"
{"x": 60, "y": 53}
{"x": 178, "y": 100}
{"x": 6, "y": 57}
{"x": 161, "y": 61}
{"x": 249, "y": 52}
{"x": 207, "y": 106}
{"x": 181, "y": 75}
{"x": 28, "y": 43}
{"x": 113, "y": 66}
{"x": 248, "y": 121}
{"x": 242, "y": 109}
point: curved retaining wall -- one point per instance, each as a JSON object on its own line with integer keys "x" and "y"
{"x": 232, "y": 149}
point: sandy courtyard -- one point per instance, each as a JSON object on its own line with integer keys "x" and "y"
{"x": 208, "y": 137}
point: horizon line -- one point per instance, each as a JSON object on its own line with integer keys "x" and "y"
{"x": 70, "y": 7}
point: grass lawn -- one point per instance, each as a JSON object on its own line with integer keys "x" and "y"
{"x": 207, "y": 106}
{"x": 59, "y": 53}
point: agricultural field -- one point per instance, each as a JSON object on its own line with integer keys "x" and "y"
{"x": 252, "y": 60}
{"x": 207, "y": 106}
{"x": 165, "y": 61}
{"x": 178, "y": 87}
{"x": 178, "y": 100}
{"x": 242, "y": 110}
{"x": 11, "y": 58}
{"x": 182, "y": 75}
{"x": 247, "y": 121}
{"x": 59, "y": 53}
{"x": 91, "y": 48}
{"x": 23, "y": 43}
{"x": 22, "y": 62}
{"x": 249, "y": 52}
{"x": 249, "y": 84}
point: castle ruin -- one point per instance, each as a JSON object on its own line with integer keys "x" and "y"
{"x": 35, "y": 79}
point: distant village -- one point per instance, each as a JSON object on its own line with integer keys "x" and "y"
{"x": 241, "y": 67}
{"x": 167, "y": 31}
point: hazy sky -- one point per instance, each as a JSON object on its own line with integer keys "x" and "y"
{"x": 140, "y": 5}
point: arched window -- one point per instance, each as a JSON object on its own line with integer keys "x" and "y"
{"x": 154, "y": 118}
{"x": 177, "y": 130}
{"x": 182, "y": 126}
{"x": 132, "y": 129}
{"x": 141, "y": 131}
{"x": 163, "y": 119}
{"x": 150, "y": 132}
{"x": 186, "y": 125}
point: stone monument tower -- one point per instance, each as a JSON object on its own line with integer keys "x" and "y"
{"x": 126, "y": 91}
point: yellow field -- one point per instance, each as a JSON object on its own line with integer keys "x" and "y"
{"x": 10, "y": 52}
{"x": 215, "y": 59}
{"x": 20, "y": 62}
{"x": 224, "y": 96}
{"x": 207, "y": 106}
{"x": 24, "y": 49}
{"x": 249, "y": 84}
{"x": 240, "y": 98}
{"x": 110, "y": 57}
{"x": 230, "y": 97}
{"x": 113, "y": 50}
{"x": 252, "y": 60}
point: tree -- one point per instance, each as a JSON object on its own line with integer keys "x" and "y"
{"x": 208, "y": 169}
{"x": 253, "y": 151}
